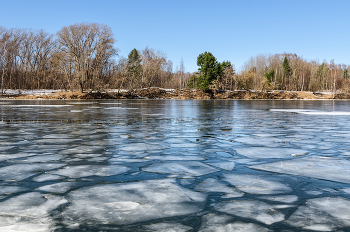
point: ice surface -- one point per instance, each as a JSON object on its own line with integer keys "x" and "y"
{"x": 257, "y": 184}
{"x": 281, "y": 198}
{"x": 46, "y": 177}
{"x": 252, "y": 209}
{"x": 222, "y": 223}
{"x": 131, "y": 202}
{"x": 28, "y": 212}
{"x": 61, "y": 187}
{"x": 227, "y": 165}
{"x": 315, "y": 166}
{"x": 90, "y": 170}
{"x": 141, "y": 147}
{"x": 213, "y": 185}
{"x": 167, "y": 227}
{"x": 323, "y": 214}
{"x": 11, "y": 189}
{"x": 20, "y": 172}
{"x": 192, "y": 168}
{"x": 311, "y": 112}
{"x": 174, "y": 157}
{"x": 263, "y": 152}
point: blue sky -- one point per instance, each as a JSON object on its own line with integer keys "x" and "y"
{"x": 230, "y": 30}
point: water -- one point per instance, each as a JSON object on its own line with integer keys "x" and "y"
{"x": 167, "y": 165}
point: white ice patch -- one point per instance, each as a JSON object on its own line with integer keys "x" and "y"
{"x": 213, "y": 185}
{"x": 228, "y": 165}
{"x": 323, "y": 214}
{"x": 311, "y": 112}
{"x": 90, "y": 170}
{"x": 46, "y": 177}
{"x": 168, "y": 227}
{"x": 315, "y": 166}
{"x": 141, "y": 147}
{"x": 221, "y": 223}
{"x": 28, "y": 212}
{"x": 174, "y": 157}
{"x": 11, "y": 189}
{"x": 264, "y": 153}
{"x": 61, "y": 187}
{"x": 131, "y": 202}
{"x": 252, "y": 209}
{"x": 281, "y": 198}
{"x": 257, "y": 185}
{"x": 20, "y": 172}
{"x": 190, "y": 168}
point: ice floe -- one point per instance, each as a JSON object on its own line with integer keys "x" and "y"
{"x": 29, "y": 212}
{"x": 18, "y": 172}
{"x": 253, "y": 209}
{"x": 322, "y": 214}
{"x": 255, "y": 184}
{"x": 167, "y": 227}
{"x": 223, "y": 223}
{"x": 131, "y": 202}
{"x": 191, "y": 168}
{"x": 212, "y": 185}
{"x": 90, "y": 170}
{"x": 264, "y": 153}
{"x": 326, "y": 168}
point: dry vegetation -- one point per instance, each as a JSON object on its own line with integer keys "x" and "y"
{"x": 82, "y": 57}
{"x": 159, "y": 93}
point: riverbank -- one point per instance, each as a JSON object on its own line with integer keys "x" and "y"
{"x": 159, "y": 93}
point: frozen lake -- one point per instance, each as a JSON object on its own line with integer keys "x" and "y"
{"x": 168, "y": 165}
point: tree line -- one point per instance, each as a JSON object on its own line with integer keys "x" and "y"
{"x": 83, "y": 56}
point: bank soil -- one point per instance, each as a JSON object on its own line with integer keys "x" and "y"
{"x": 159, "y": 93}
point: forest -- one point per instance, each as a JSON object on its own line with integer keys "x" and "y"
{"x": 84, "y": 56}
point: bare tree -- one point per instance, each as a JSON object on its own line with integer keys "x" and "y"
{"x": 90, "y": 46}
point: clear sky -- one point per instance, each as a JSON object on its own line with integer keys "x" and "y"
{"x": 230, "y": 30}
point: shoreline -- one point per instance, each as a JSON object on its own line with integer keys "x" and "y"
{"x": 175, "y": 94}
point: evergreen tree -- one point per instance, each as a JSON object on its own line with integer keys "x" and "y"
{"x": 346, "y": 74}
{"x": 134, "y": 67}
{"x": 209, "y": 70}
{"x": 287, "y": 70}
{"x": 269, "y": 76}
